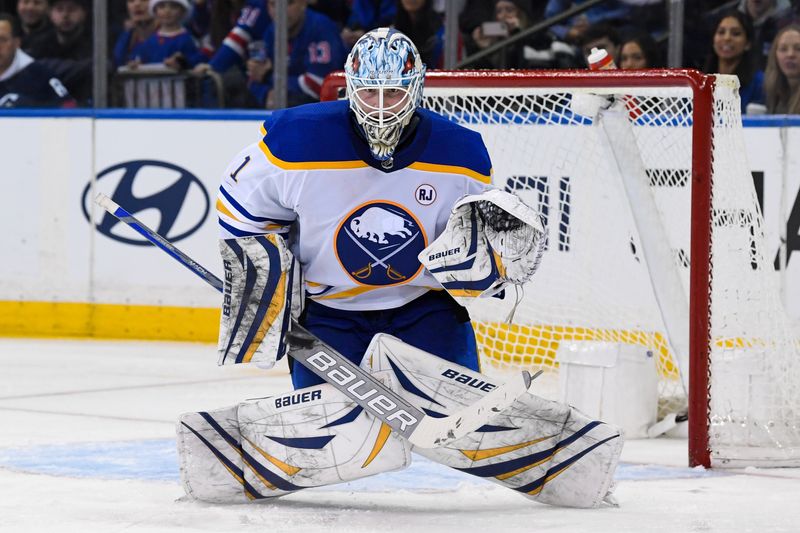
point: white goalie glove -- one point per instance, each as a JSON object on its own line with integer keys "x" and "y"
{"x": 262, "y": 288}
{"x": 491, "y": 240}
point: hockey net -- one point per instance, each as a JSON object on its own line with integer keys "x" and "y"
{"x": 629, "y": 195}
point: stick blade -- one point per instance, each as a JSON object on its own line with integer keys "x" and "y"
{"x": 437, "y": 432}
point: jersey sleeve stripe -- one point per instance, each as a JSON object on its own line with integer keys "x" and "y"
{"x": 235, "y": 231}
{"x": 245, "y": 214}
{"x": 308, "y": 165}
{"x": 233, "y": 45}
{"x": 451, "y": 169}
{"x": 222, "y": 208}
{"x": 240, "y": 35}
{"x": 310, "y": 84}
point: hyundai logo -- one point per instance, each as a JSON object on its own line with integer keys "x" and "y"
{"x": 174, "y": 193}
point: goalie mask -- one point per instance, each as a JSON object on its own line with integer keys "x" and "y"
{"x": 385, "y": 76}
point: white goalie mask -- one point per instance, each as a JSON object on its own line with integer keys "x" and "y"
{"x": 385, "y": 76}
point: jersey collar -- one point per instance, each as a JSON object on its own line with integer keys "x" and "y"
{"x": 408, "y": 149}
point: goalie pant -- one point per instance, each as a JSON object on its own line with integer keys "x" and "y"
{"x": 316, "y": 436}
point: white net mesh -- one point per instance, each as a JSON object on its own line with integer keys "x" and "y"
{"x": 592, "y": 285}
{"x": 755, "y": 362}
{"x": 617, "y": 264}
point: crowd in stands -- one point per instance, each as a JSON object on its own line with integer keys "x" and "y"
{"x": 46, "y": 54}
{"x": 46, "y": 45}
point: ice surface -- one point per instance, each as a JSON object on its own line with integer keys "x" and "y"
{"x": 87, "y": 444}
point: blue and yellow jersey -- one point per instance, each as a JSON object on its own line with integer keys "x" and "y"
{"x": 357, "y": 228}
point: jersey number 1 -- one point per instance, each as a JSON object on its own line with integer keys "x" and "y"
{"x": 235, "y": 172}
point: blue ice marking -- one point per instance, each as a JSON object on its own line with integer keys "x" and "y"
{"x": 141, "y": 459}
{"x": 156, "y": 460}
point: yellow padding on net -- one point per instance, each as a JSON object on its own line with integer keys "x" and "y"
{"x": 521, "y": 346}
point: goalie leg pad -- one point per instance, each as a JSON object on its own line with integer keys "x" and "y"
{"x": 210, "y": 457}
{"x": 491, "y": 240}
{"x": 313, "y": 437}
{"x": 261, "y": 290}
{"x": 544, "y": 450}
{"x": 306, "y": 438}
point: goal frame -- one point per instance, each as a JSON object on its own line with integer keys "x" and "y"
{"x": 702, "y": 87}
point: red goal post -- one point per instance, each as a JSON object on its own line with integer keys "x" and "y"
{"x": 679, "y": 128}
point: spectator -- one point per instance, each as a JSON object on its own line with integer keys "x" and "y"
{"x": 603, "y": 36}
{"x": 214, "y": 23}
{"x": 68, "y": 51}
{"x": 171, "y": 44}
{"x": 612, "y": 12}
{"x": 541, "y": 50}
{"x": 732, "y": 54}
{"x": 140, "y": 25}
{"x": 767, "y": 16}
{"x": 73, "y": 33}
{"x": 699, "y": 20}
{"x": 233, "y": 49}
{"x": 782, "y": 79}
{"x": 792, "y": 16}
{"x": 336, "y": 10}
{"x": 315, "y": 49}
{"x": 639, "y": 51}
{"x": 470, "y": 22}
{"x": 440, "y": 6}
{"x": 212, "y": 20}
{"x": 117, "y": 12}
{"x": 25, "y": 82}
{"x": 648, "y": 16}
{"x": 510, "y": 17}
{"x": 35, "y": 24}
{"x": 367, "y": 15}
{"x": 474, "y": 14}
{"x": 421, "y": 24}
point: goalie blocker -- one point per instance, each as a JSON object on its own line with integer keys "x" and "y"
{"x": 261, "y": 293}
{"x": 317, "y": 436}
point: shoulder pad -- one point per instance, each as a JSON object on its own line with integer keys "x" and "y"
{"x": 312, "y": 136}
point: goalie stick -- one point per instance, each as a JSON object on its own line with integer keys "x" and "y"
{"x": 383, "y": 403}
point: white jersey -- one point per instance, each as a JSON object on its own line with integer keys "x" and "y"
{"x": 355, "y": 227}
